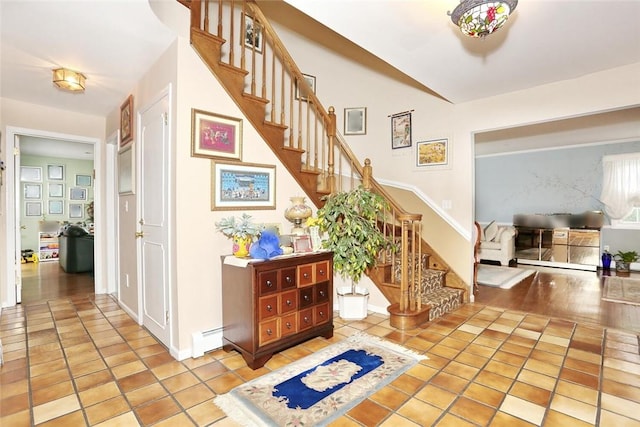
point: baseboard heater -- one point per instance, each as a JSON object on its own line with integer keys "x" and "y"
{"x": 205, "y": 341}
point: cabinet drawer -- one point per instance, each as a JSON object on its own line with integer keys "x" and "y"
{"x": 268, "y": 331}
{"x": 305, "y": 275}
{"x": 289, "y": 324}
{"x": 289, "y": 301}
{"x": 322, "y": 271}
{"x": 267, "y": 307}
{"x": 267, "y": 282}
{"x": 321, "y": 292}
{"x": 287, "y": 278}
{"x": 305, "y": 319}
{"x": 321, "y": 314}
{"x": 306, "y": 296}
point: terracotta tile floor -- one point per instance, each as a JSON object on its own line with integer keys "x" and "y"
{"x": 80, "y": 360}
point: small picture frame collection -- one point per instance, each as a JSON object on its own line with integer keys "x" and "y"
{"x": 44, "y": 194}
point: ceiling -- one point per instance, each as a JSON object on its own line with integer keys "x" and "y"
{"x": 114, "y": 42}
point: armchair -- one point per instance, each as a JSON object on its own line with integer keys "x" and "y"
{"x": 76, "y": 250}
{"x": 497, "y": 243}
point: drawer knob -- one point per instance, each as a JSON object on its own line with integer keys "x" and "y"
{"x": 322, "y": 293}
{"x": 288, "y": 325}
{"x": 269, "y": 308}
{"x": 269, "y": 284}
{"x": 305, "y": 275}
{"x": 269, "y": 331}
{"x": 289, "y": 302}
{"x": 306, "y": 297}
{"x": 321, "y": 313}
{"x": 288, "y": 279}
{"x": 321, "y": 272}
{"x": 306, "y": 319}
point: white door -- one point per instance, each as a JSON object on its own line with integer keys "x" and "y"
{"x": 153, "y": 195}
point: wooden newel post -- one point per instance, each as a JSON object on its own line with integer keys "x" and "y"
{"x": 331, "y": 132}
{"x": 367, "y": 171}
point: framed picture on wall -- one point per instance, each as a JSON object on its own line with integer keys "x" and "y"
{"x": 56, "y": 207}
{"x": 30, "y": 173}
{"x": 241, "y": 186}
{"x": 355, "y": 121}
{"x": 32, "y": 191}
{"x": 55, "y": 172}
{"x": 126, "y": 121}
{"x": 77, "y": 193}
{"x": 301, "y": 90}
{"x": 432, "y": 153}
{"x": 252, "y": 34}
{"x": 401, "y": 130}
{"x": 126, "y": 171}
{"x": 215, "y": 136}
{"x": 56, "y": 190}
{"x": 83, "y": 180}
{"x": 33, "y": 208}
{"x": 75, "y": 210}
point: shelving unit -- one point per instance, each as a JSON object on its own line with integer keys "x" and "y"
{"x": 48, "y": 246}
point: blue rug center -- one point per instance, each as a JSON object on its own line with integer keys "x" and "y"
{"x": 299, "y": 395}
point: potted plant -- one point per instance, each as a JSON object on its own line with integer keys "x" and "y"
{"x": 352, "y": 234}
{"x": 242, "y": 231}
{"x": 624, "y": 259}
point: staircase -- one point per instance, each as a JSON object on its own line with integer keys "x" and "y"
{"x": 242, "y": 50}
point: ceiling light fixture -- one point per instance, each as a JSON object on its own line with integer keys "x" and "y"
{"x": 69, "y": 80}
{"x": 479, "y": 18}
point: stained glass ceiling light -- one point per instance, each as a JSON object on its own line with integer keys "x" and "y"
{"x": 69, "y": 80}
{"x": 479, "y": 18}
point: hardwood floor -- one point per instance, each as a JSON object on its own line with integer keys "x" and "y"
{"x": 44, "y": 281}
{"x": 567, "y": 294}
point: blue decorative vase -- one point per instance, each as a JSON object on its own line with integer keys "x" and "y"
{"x": 606, "y": 261}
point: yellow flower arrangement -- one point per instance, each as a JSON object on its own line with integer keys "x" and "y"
{"x": 312, "y": 221}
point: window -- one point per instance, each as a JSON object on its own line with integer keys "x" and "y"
{"x": 621, "y": 189}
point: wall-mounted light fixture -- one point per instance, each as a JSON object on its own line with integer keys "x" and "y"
{"x": 69, "y": 79}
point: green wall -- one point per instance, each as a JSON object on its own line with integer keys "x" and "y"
{"x": 50, "y": 196}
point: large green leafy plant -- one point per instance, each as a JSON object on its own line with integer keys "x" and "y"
{"x": 350, "y": 220}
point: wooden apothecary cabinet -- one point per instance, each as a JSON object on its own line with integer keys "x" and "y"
{"x": 268, "y": 306}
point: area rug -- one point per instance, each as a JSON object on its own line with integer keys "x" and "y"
{"x": 501, "y": 277}
{"x": 321, "y": 387}
{"x": 621, "y": 289}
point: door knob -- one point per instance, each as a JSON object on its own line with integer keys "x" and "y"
{"x": 139, "y": 234}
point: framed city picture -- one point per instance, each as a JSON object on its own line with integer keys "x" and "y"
{"x": 241, "y": 186}
{"x": 215, "y": 136}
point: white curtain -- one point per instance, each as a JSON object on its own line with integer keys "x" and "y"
{"x": 620, "y": 184}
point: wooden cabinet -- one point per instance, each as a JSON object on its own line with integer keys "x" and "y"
{"x": 268, "y": 306}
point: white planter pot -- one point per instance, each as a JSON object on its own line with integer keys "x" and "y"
{"x": 353, "y": 306}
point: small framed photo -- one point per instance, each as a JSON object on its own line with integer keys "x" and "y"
{"x": 302, "y": 243}
{"x": 56, "y": 190}
{"x": 83, "y": 180}
{"x": 215, "y": 136}
{"x": 431, "y": 153}
{"x": 32, "y": 191}
{"x": 56, "y": 207}
{"x": 242, "y": 186}
{"x": 75, "y": 210}
{"x": 355, "y": 121}
{"x": 55, "y": 172}
{"x": 126, "y": 121}
{"x": 252, "y": 34}
{"x": 401, "y": 130}
{"x": 77, "y": 193}
{"x": 30, "y": 173}
{"x": 126, "y": 171}
{"x": 33, "y": 208}
{"x": 301, "y": 90}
